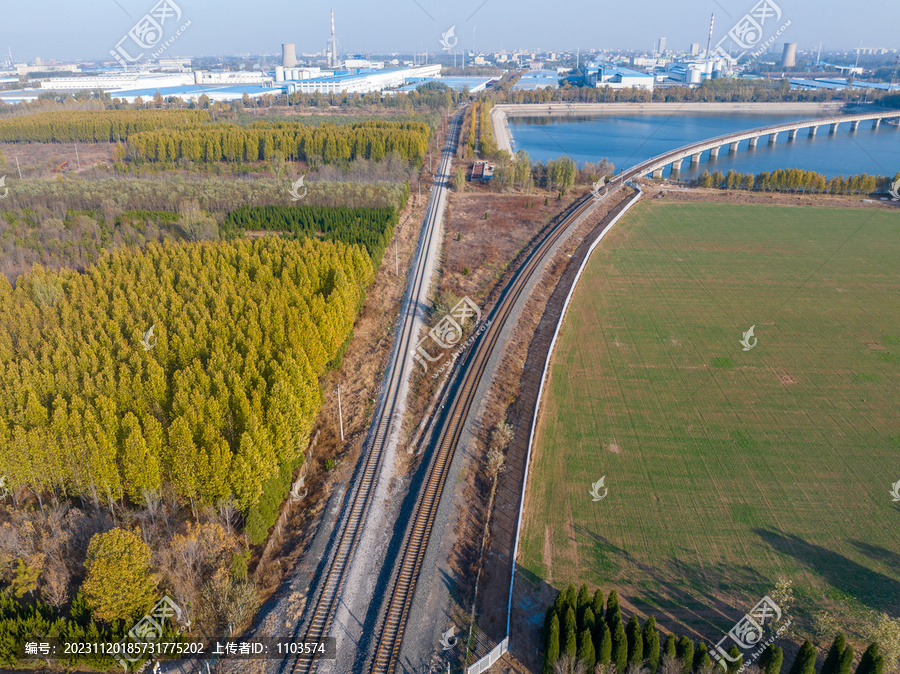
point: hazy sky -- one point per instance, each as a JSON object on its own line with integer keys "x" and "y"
{"x": 57, "y": 29}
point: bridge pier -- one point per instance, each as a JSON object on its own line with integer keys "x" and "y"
{"x": 773, "y": 137}
{"x": 753, "y": 141}
{"x": 676, "y": 166}
{"x": 834, "y": 128}
{"x": 854, "y": 125}
{"x": 812, "y": 131}
{"x": 695, "y": 158}
{"x": 658, "y": 174}
{"x": 733, "y": 147}
{"x": 714, "y": 153}
{"x": 792, "y": 134}
{"x": 876, "y": 123}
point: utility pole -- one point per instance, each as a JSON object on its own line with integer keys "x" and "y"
{"x": 340, "y": 414}
{"x": 77, "y": 158}
{"x": 18, "y": 167}
{"x": 396, "y": 257}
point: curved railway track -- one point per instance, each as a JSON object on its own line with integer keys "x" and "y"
{"x": 319, "y": 619}
{"x": 461, "y": 395}
{"x": 469, "y": 375}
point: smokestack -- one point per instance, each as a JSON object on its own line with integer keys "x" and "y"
{"x": 712, "y": 20}
{"x": 333, "y": 43}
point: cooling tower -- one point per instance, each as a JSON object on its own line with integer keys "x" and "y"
{"x": 789, "y": 57}
{"x": 288, "y": 55}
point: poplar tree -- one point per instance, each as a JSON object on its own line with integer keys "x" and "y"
{"x": 620, "y": 648}
{"x": 635, "y": 642}
{"x": 771, "y": 659}
{"x": 833, "y": 659}
{"x": 685, "y": 653}
{"x": 650, "y": 638}
{"x": 586, "y": 650}
{"x": 734, "y": 665}
{"x": 613, "y": 612}
{"x": 845, "y": 665}
{"x": 871, "y": 662}
{"x": 604, "y": 643}
{"x": 551, "y": 647}
{"x": 805, "y": 662}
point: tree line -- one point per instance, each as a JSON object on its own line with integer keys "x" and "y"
{"x": 95, "y": 126}
{"x": 795, "y": 180}
{"x": 329, "y": 143}
{"x": 212, "y": 405}
{"x": 371, "y": 228}
{"x": 586, "y": 633}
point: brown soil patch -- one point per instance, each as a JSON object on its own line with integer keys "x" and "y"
{"x": 548, "y": 554}
{"x": 39, "y": 160}
{"x": 785, "y": 378}
{"x": 614, "y": 448}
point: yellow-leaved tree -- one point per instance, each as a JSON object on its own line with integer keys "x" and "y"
{"x": 119, "y": 584}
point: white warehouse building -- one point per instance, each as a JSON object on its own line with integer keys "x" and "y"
{"x": 361, "y": 81}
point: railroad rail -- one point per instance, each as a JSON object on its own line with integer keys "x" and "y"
{"x": 462, "y": 398}
{"x": 321, "y": 611}
{"x": 469, "y": 372}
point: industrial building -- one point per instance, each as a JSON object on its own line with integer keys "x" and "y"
{"x": 359, "y": 81}
{"x": 617, "y": 77}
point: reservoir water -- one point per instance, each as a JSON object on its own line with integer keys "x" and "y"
{"x": 628, "y": 139}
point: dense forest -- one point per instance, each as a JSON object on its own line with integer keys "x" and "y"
{"x": 95, "y": 126}
{"x": 225, "y": 396}
{"x": 170, "y": 135}
{"x": 259, "y": 142}
{"x": 368, "y": 227}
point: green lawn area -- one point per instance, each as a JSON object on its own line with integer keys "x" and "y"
{"x": 726, "y": 468}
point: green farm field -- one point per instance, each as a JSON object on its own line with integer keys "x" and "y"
{"x": 727, "y": 468}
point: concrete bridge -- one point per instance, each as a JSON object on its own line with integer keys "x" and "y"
{"x": 674, "y": 158}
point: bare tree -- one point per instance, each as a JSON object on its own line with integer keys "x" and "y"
{"x": 568, "y": 665}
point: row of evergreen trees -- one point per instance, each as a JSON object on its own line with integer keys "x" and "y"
{"x": 368, "y": 227}
{"x": 794, "y": 180}
{"x": 94, "y": 126}
{"x": 580, "y": 629}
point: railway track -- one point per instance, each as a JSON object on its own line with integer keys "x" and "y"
{"x": 462, "y": 397}
{"x": 320, "y": 616}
